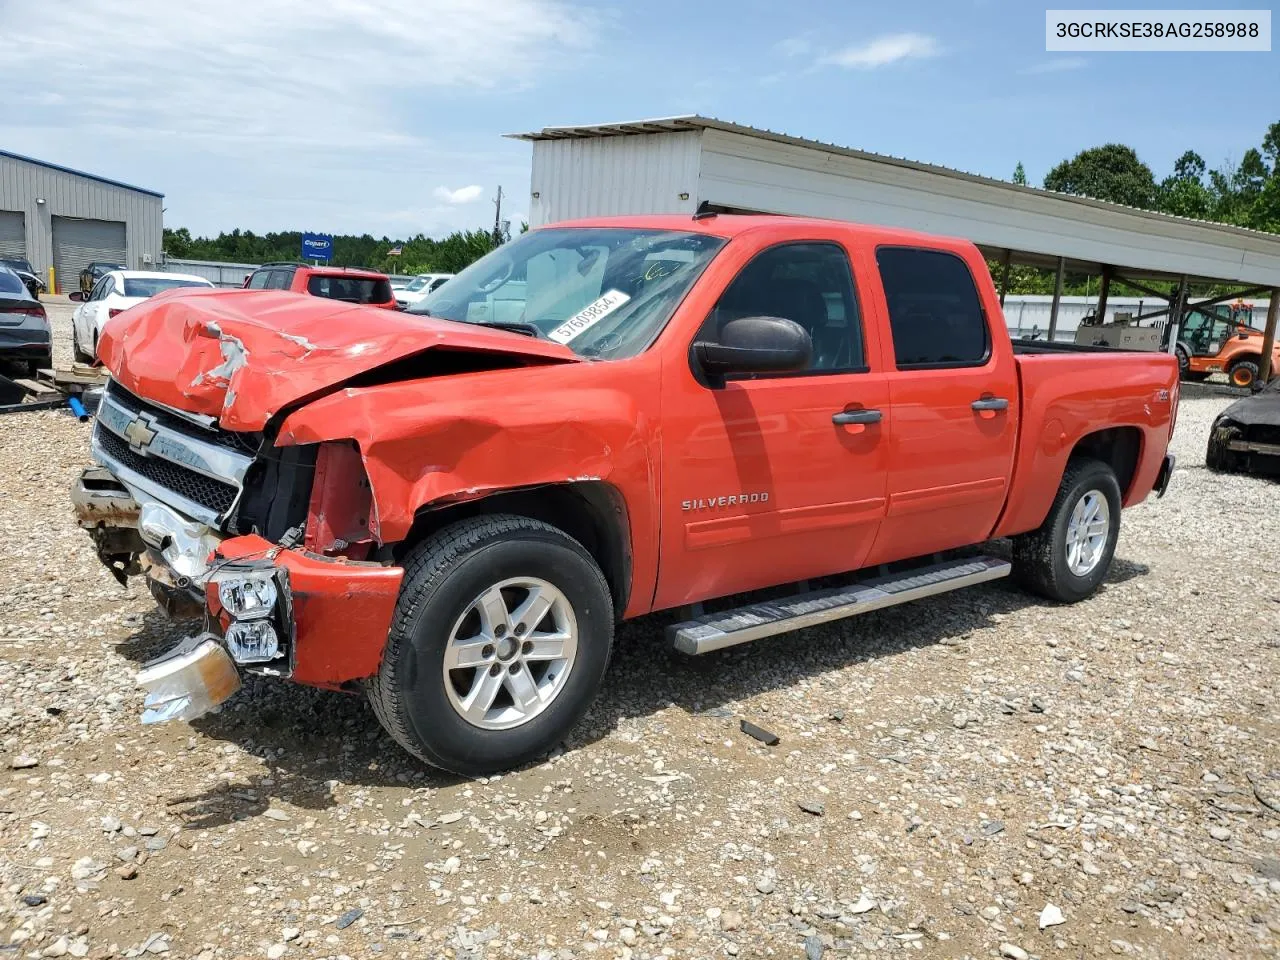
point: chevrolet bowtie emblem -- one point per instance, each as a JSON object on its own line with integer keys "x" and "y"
{"x": 139, "y": 433}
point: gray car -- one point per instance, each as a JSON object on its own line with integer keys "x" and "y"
{"x": 24, "y": 326}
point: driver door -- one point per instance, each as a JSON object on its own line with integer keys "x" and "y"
{"x": 776, "y": 477}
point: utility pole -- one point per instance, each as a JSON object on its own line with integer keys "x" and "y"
{"x": 497, "y": 218}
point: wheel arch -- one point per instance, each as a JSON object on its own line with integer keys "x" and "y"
{"x": 593, "y": 512}
{"x": 1118, "y": 447}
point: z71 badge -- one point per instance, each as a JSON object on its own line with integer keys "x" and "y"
{"x": 732, "y": 500}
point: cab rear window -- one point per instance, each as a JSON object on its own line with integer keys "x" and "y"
{"x": 934, "y": 310}
{"x": 350, "y": 289}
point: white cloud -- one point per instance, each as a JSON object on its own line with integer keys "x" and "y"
{"x": 461, "y": 195}
{"x": 308, "y": 106}
{"x": 1057, "y": 65}
{"x": 794, "y": 47}
{"x": 883, "y": 51}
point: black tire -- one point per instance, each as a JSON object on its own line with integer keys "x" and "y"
{"x": 76, "y": 351}
{"x": 443, "y": 576}
{"x": 1243, "y": 373}
{"x": 1217, "y": 456}
{"x": 1184, "y": 363}
{"x": 1040, "y": 557}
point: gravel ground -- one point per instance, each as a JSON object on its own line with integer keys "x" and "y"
{"x": 952, "y": 776}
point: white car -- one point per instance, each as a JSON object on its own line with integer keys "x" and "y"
{"x": 423, "y": 284}
{"x": 116, "y": 291}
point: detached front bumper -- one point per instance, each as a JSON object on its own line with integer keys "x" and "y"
{"x": 286, "y": 613}
{"x": 331, "y": 615}
{"x": 316, "y": 620}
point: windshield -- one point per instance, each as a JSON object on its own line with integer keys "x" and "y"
{"x": 17, "y": 264}
{"x": 418, "y": 283}
{"x": 602, "y": 291}
{"x": 150, "y": 286}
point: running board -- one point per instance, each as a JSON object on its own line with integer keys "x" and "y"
{"x": 717, "y": 630}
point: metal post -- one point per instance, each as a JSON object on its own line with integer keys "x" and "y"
{"x": 1057, "y": 297}
{"x": 1004, "y": 275}
{"x": 1104, "y": 287}
{"x": 1177, "y": 304}
{"x": 1269, "y": 337}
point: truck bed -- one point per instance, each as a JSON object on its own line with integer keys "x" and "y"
{"x": 1029, "y": 347}
{"x": 1061, "y": 394}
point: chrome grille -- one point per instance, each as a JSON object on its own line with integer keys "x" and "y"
{"x": 212, "y": 494}
{"x": 240, "y": 442}
{"x": 181, "y": 460}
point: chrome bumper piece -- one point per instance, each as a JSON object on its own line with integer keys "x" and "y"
{"x": 188, "y": 681}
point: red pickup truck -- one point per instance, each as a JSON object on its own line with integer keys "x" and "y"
{"x": 449, "y": 509}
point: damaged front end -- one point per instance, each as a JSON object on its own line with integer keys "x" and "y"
{"x": 258, "y": 542}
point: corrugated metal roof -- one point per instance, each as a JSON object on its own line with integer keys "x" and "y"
{"x": 78, "y": 173}
{"x": 697, "y": 122}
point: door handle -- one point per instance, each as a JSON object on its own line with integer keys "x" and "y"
{"x": 990, "y": 403}
{"x": 845, "y": 417}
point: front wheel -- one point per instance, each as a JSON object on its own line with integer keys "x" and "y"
{"x": 500, "y": 641}
{"x": 1068, "y": 557}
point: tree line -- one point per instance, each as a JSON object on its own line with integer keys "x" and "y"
{"x": 419, "y": 254}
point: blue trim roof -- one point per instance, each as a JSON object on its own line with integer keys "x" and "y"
{"x": 79, "y": 173}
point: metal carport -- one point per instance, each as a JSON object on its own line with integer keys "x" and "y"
{"x": 683, "y": 164}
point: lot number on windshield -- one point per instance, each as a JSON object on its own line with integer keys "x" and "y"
{"x": 587, "y": 318}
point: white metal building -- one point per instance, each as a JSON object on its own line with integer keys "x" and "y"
{"x": 63, "y": 218}
{"x": 679, "y": 164}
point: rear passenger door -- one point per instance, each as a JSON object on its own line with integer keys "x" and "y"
{"x": 954, "y": 397}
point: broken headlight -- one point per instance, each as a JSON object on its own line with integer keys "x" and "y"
{"x": 252, "y": 641}
{"x": 248, "y": 595}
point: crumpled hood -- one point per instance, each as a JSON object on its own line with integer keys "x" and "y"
{"x": 243, "y": 355}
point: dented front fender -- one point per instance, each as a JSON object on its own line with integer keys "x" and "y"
{"x": 449, "y": 439}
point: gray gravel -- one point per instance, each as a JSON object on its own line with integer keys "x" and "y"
{"x": 946, "y": 773}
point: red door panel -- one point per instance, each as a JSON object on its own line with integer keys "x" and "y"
{"x": 761, "y": 487}
{"x": 950, "y": 462}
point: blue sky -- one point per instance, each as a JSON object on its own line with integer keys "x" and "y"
{"x": 386, "y": 116}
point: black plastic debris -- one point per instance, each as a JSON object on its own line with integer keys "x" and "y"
{"x": 768, "y": 738}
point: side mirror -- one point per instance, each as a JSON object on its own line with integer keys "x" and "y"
{"x": 76, "y": 296}
{"x": 755, "y": 345}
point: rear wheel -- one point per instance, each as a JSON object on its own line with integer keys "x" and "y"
{"x": 1068, "y": 557}
{"x": 500, "y": 641}
{"x": 76, "y": 350}
{"x": 1243, "y": 373}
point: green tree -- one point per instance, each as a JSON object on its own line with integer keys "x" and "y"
{"x": 1271, "y": 147}
{"x": 177, "y": 243}
{"x": 1020, "y": 175}
{"x": 1184, "y": 193}
{"x": 1111, "y": 172}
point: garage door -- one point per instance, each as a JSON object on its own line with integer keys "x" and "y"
{"x": 77, "y": 243}
{"x": 13, "y": 234}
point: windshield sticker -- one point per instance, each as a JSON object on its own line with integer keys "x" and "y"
{"x": 587, "y": 318}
